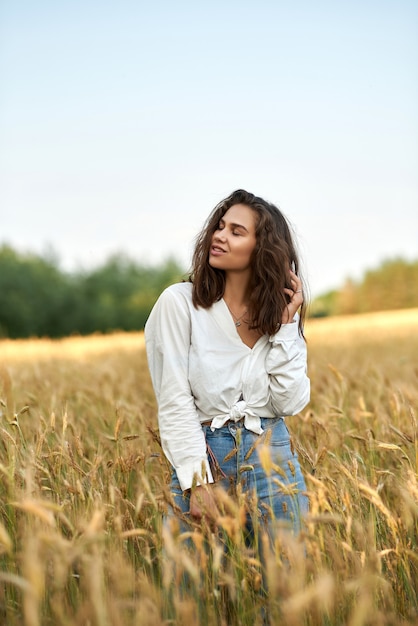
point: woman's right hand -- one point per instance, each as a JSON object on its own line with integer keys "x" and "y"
{"x": 203, "y": 504}
{"x": 295, "y": 295}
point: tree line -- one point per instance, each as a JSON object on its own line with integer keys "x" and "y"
{"x": 392, "y": 285}
{"x": 38, "y": 299}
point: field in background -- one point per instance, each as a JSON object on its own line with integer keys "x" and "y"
{"x": 83, "y": 487}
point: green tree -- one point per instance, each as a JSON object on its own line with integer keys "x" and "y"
{"x": 392, "y": 285}
{"x": 33, "y": 293}
{"x": 38, "y": 299}
{"x": 119, "y": 295}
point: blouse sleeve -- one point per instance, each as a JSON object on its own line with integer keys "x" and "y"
{"x": 286, "y": 365}
{"x": 167, "y": 338}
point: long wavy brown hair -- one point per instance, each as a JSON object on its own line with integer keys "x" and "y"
{"x": 274, "y": 254}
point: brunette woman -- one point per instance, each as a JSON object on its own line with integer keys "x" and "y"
{"x": 227, "y": 358}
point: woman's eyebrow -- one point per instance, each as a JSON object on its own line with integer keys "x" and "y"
{"x": 234, "y": 225}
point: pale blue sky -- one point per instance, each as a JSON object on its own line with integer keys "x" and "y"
{"x": 122, "y": 124}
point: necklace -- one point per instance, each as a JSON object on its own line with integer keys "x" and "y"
{"x": 237, "y": 320}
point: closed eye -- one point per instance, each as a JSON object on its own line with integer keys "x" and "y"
{"x": 237, "y": 230}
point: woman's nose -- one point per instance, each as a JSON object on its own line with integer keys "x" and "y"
{"x": 219, "y": 235}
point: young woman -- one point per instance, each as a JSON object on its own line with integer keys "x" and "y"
{"x": 227, "y": 359}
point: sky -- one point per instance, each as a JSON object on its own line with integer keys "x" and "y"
{"x": 122, "y": 124}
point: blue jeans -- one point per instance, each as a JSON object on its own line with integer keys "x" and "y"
{"x": 279, "y": 486}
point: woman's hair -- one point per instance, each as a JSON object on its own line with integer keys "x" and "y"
{"x": 273, "y": 256}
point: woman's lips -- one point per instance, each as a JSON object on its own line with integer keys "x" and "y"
{"x": 217, "y": 251}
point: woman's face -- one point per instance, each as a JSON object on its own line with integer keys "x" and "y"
{"x": 234, "y": 240}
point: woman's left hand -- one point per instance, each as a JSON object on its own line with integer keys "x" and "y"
{"x": 295, "y": 298}
{"x": 203, "y": 504}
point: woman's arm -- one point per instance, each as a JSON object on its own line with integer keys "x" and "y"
{"x": 286, "y": 361}
{"x": 286, "y": 365}
{"x": 167, "y": 336}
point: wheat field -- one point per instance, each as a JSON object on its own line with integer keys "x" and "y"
{"x": 84, "y": 487}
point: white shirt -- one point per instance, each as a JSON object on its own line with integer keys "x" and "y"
{"x": 200, "y": 369}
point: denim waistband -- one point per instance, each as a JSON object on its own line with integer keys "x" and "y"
{"x": 266, "y": 422}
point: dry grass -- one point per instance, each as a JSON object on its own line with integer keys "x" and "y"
{"x": 76, "y": 347}
{"x": 83, "y": 488}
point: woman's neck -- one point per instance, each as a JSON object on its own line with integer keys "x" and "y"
{"x": 236, "y": 290}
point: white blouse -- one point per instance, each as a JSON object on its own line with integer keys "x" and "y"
{"x": 202, "y": 371}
